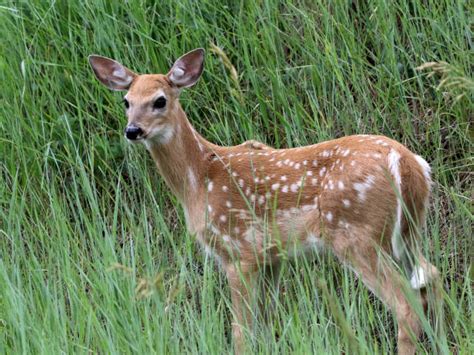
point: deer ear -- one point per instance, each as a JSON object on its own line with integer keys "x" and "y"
{"x": 187, "y": 70}
{"x": 111, "y": 73}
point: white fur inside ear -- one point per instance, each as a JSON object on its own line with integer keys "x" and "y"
{"x": 120, "y": 73}
{"x": 178, "y": 72}
{"x": 120, "y": 76}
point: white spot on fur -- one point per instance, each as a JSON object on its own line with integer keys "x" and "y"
{"x": 329, "y": 216}
{"x": 343, "y": 224}
{"x": 210, "y": 186}
{"x": 283, "y": 178}
{"x": 241, "y": 183}
{"x": 307, "y": 208}
{"x": 363, "y": 187}
{"x": 261, "y": 200}
{"x": 294, "y": 187}
{"x": 236, "y": 230}
{"x": 340, "y": 184}
{"x": 223, "y": 218}
{"x": 228, "y": 204}
{"x": 346, "y": 203}
{"x": 322, "y": 171}
{"x": 315, "y": 163}
{"x": 192, "y": 179}
{"x": 297, "y": 165}
{"x": 250, "y": 235}
{"x": 225, "y": 188}
{"x": 226, "y": 238}
{"x": 314, "y": 181}
{"x": 275, "y": 186}
{"x": 284, "y": 188}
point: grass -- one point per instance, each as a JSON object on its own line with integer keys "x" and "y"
{"x": 94, "y": 255}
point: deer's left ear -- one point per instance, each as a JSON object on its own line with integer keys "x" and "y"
{"x": 111, "y": 73}
{"x": 187, "y": 70}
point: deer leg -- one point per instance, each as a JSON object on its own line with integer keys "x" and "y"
{"x": 269, "y": 290}
{"x": 386, "y": 283}
{"x": 427, "y": 279}
{"x": 242, "y": 282}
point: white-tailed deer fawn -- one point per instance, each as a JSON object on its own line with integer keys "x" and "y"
{"x": 363, "y": 197}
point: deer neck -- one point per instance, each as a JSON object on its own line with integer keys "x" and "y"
{"x": 182, "y": 162}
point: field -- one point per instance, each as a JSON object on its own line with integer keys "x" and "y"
{"x": 94, "y": 254}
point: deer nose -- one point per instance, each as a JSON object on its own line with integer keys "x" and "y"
{"x": 133, "y": 132}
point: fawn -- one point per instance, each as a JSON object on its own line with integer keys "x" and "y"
{"x": 363, "y": 197}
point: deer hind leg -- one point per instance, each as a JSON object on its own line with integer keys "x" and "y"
{"x": 385, "y": 282}
{"x": 425, "y": 278}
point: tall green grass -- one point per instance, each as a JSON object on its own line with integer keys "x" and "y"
{"x": 94, "y": 255}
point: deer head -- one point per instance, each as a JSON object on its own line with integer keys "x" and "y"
{"x": 151, "y": 101}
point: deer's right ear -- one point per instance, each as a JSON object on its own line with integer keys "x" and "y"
{"x": 111, "y": 73}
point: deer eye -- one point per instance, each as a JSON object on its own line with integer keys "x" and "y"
{"x": 159, "y": 102}
{"x": 126, "y": 103}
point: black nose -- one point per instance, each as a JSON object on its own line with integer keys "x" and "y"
{"x": 132, "y": 132}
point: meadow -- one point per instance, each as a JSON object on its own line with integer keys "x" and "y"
{"x": 94, "y": 253}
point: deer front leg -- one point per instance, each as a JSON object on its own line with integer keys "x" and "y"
{"x": 242, "y": 282}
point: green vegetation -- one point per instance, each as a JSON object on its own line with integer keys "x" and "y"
{"x": 94, "y": 255}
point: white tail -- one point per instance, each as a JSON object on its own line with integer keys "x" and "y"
{"x": 360, "y": 196}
